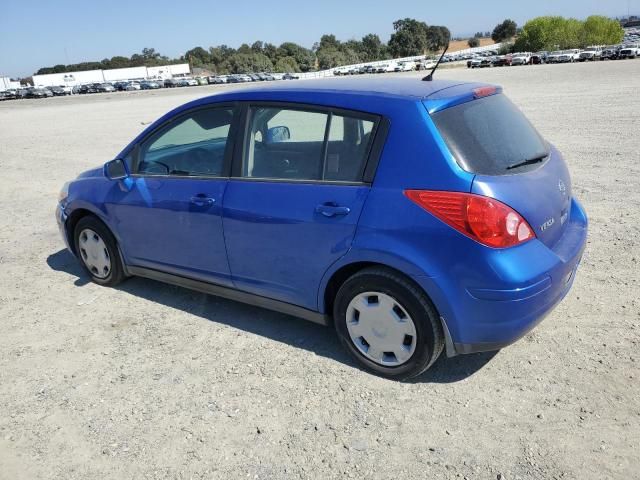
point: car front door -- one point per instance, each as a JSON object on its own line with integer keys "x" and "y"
{"x": 168, "y": 212}
{"x": 294, "y": 199}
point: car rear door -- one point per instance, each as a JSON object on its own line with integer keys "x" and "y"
{"x": 169, "y": 212}
{"x": 295, "y": 196}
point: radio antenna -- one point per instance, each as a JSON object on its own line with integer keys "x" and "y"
{"x": 429, "y": 77}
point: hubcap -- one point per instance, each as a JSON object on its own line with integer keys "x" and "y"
{"x": 94, "y": 253}
{"x": 381, "y": 329}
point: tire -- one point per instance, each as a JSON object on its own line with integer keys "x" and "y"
{"x": 420, "y": 328}
{"x": 96, "y": 248}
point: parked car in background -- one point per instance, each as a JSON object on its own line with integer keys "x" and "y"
{"x": 554, "y": 56}
{"x": 406, "y": 66}
{"x": 568, "y": 56}
{"x": 104, "y": 87}
{"x": 590, "y": 54}
{"x": 38, "y": 92}
{"x": 171, "y": 83}
{"x": 120, "y": 86}
{"x": 291, "y": 76}
{"x": 521, "y": 59}
{"x": 187, "y": 82}
{"x": 134, "y": 85}
{"x": 58, "y": 91}
{"x": 474, "y": 62}
{"x": 538, "y": 58}
{"x": 86, "y": 88}
{"x": 149, "y": 85}
{"x": 22, "y": 93}
{"x": 629, "y": 51}
{"x": 610, "y": 53}
{"x": 405, "y": 258}
{"x": 502, "y": 61}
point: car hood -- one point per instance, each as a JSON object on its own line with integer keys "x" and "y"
{"x": 93, "y": 173}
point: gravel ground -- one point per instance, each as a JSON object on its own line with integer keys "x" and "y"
{"x": 154, "y": 381}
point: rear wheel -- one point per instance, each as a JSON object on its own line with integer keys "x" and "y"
{"x": 98, "y": 252}
{"x": 387, "y": 323}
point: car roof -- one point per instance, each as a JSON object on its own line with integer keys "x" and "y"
{"x": 412, "y": 87}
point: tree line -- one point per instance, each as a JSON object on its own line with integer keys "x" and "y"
{"x": 410, "y": 37}
{"x": 559, "y": 33}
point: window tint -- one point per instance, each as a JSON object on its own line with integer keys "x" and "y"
{"x": 193, "y": 145}
{"x": 489, "y": 135}
{"x": 306, "y": 145}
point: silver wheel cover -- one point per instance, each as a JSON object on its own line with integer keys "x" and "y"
{"x": 94, "y": 253}
{"x": 381, "y": 329}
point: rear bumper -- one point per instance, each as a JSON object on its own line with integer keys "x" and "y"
{"x": 514, "y": 290}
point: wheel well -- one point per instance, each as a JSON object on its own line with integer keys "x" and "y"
{"x": 342, "y": 275}
{"x": 72, "y": 221}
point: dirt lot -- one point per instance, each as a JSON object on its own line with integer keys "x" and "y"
{"x": 154, "y": 381}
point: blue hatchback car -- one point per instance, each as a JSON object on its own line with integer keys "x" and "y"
{"x": 415, "y": 216}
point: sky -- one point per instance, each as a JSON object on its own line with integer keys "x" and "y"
{"x": 41, "y": 33}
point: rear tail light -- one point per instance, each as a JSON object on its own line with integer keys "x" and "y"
{"x": 484, "y": 92}
{"x": 484, "y": 219}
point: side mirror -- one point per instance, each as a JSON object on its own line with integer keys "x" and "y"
{"x": 278, "y": 134}
{"x": 116, "y": 169}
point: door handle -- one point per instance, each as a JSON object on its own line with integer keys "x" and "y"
{"x": 201, "y": 200}
{"x": 332, "y": 209}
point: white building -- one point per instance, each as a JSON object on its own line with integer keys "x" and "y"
{"x": 168, "y": 71}
{"x": 99, "y": 76}
{"x": 6, "y": 83}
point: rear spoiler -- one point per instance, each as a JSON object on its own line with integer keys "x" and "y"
{"x": 457, "y": 94}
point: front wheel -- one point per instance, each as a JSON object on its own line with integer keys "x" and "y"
{"x": 98, "y": 252}
{"x": 387, "y": 323}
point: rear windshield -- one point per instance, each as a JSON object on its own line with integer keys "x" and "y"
{"x": 490, "y": 136}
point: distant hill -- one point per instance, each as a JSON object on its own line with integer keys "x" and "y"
{"x": 463, "y": 45}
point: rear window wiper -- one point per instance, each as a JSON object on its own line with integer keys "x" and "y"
{"x": 531, "y": 161}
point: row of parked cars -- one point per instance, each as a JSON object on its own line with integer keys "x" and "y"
{"x": 251, "y": 77}
{"x": 149, "y": 84}
{"x": 589, "y": 54}
{"x": 34, "y": 92}
{"x": 389, "y": 67}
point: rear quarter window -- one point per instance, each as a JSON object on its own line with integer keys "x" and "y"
{"x": 489, "y": 135}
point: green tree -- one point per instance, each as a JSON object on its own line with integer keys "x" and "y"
{"x": 328, "y": 41}
{"x": 437, "y": 37}
{"x": 304, "y": 57}
{"x": 598, "y": 30}
{"x": 504, "y": 31}
{"x": 271, "y": 51}
{"x": 257, "y": 47}
{"x": 119, "y": 62}
{"x": 286, "y": 64}
{"x": 150, "y": 54}
{"x": 473, "y": 42}
{"x": 331, "y": 58}
{"x": 198, "y": 57}
{"x": 409, "y": 38}
{"x": 248, "y": 63}
{"x": 244, "y": 48}
{"x": 551, "y": 33}
{"x": 372, "y": 48}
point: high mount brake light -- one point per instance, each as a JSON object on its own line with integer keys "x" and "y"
{"x": 484, "y": 219}
{"x": 484, "y": 92}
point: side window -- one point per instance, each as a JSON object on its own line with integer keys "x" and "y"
{"x": 284, "y": 143}
{"x": 194, "y": 144}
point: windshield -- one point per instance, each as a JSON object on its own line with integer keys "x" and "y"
{"x": 491, "y": 136}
